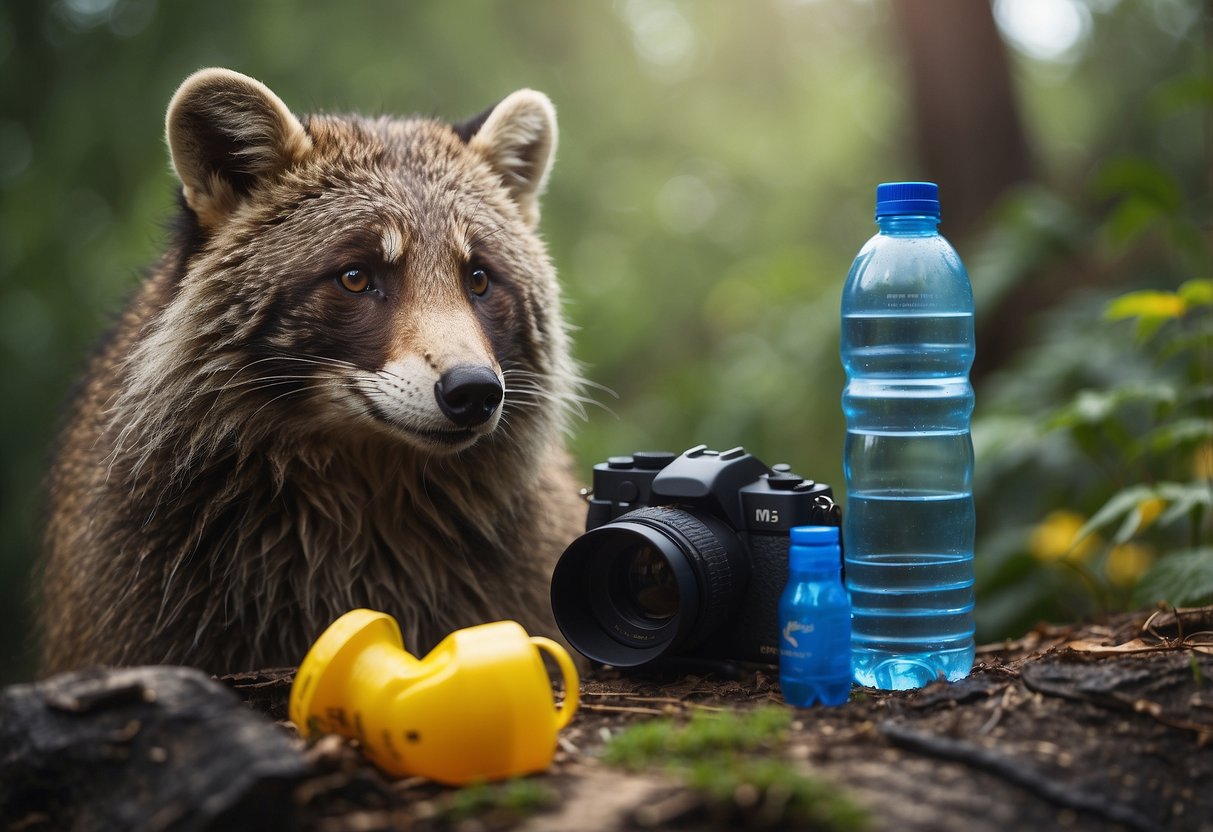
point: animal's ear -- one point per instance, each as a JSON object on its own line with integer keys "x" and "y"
{"x": 226, "y": 132}
{"x": 518, "y": 138}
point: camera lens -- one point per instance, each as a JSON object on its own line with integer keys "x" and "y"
{"x": 645, "y": 582}
{"x": 653, "y": 581}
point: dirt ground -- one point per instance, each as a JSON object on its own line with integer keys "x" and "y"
{"x": 1079, "y": 728}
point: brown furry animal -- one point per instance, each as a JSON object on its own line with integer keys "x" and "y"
{"x": 343, "y": 385}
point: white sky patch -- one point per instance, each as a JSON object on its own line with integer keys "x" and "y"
{"x": 1048, "y": 30}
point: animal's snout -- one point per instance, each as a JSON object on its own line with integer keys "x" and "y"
{"x": 468, "y": 394}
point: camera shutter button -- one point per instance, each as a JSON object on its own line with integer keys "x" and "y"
{"x": 653, "y": 460}
{"x": 784, "y": 481}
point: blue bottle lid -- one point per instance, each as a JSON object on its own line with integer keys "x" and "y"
{"x": 901, "y": 198}
{"x": 814, "y": 547}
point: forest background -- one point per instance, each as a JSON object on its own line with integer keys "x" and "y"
{"x": 715, "y": 177}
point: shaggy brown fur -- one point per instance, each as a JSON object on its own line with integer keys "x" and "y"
{"x": 270, "y": 436}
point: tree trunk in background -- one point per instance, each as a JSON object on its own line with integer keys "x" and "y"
{"x": 969, "y": 135}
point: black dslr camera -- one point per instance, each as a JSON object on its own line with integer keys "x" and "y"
{"x": 684, "y": 557}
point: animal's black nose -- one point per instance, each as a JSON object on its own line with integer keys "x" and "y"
{"x": 468, "y": 394}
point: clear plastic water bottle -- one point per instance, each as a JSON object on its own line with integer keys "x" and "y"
{"x": 814, "y": 621}
{"x": 907, "y": 346}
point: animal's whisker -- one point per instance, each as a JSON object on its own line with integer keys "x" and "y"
{"x": 570, "y": 400}
{"x": 311, "y": 360}
{"x": 284, "y": 379}
{"x": 292, "y": 392}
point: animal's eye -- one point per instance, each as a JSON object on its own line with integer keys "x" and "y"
{"x": 354, "y": 280}
{"x": 478, "y": 281}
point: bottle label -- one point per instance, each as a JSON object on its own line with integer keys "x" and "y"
{"x": 911, "y": 300}
{"x": 790, "y": 639}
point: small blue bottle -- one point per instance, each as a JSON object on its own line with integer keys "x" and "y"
{"x": 907, "y": 346}
{"x": 814, "y": 621}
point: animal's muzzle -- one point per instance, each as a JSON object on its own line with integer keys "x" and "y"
{"x": 468, "y": 394}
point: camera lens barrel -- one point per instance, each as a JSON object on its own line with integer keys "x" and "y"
{"x": 655, "y": 580}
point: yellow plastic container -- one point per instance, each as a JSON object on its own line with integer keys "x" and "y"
{"x": 479, "y": 706}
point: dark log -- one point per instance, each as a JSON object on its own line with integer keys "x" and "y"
{"x": 147, "y": 748}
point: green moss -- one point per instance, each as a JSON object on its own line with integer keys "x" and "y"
{"x": 644, "y": 745}
{"x": 734, "y": 760}
{"x": 511, "y": 798}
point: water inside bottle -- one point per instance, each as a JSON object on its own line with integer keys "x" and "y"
{"x": 911, "y": 588}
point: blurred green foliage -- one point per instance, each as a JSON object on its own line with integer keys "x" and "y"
{"x": 1109, "y": 419}
{"x": 713, "y": 181}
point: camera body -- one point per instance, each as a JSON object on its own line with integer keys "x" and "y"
{"x": 684, "y": 557}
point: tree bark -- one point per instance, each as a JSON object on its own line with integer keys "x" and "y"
{"x": 969, "y": 135}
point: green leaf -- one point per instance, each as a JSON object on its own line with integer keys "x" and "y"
{"x": 1187, "y": 339}
{"x": 1147, "y": 326}
{"x": 1181, "y": 498}
{"x": 1128, "y": 527}
{"x": 1139, "y": 179}
{"x": 1130, "y": 220}
{"x": 1120, "y": 504}
{"x": 1096, "y": 406}
{"x": 1178, "y": 434}
{"x": 1189, "y": 244}
{"x": 1146, "y": 304}
{"x": 1182, "y": 579}
{"x": 1197, "y": 292}
{"x": 1197, "y": 393}
{"x": 1179, "y": 94}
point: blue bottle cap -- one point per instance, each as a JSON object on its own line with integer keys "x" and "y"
{"x": 815, "y": 535}
{"x": 901, "y": 198}
{"x": 814, "y": 547}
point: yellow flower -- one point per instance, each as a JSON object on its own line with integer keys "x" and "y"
{"x": 1148, "y": 510}
{"x": 1128, "y": 562}
{"x": 1202, "y": 462}
{"x": 1055, "y": 538}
